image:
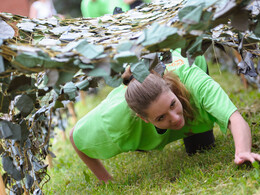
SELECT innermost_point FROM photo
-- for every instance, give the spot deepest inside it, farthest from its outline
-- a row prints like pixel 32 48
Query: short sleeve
pixel 200 61
pixel 212 98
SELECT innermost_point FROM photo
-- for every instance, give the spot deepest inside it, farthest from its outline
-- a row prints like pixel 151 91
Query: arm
pixel 94 165
pixel 129 1
pixel 242 138
pixel 33 12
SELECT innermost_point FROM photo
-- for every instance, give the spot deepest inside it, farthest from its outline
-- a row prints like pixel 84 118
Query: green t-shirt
pixel 112 128
pixel 99 8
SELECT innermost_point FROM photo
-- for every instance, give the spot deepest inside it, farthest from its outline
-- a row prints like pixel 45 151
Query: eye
pixel 161 118
pixel 172 104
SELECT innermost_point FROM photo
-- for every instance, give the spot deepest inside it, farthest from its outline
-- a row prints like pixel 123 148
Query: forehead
pixel 161 105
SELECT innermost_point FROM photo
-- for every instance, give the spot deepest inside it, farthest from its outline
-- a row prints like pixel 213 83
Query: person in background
pixel 42 9
pixel 133 3
pixel 97 8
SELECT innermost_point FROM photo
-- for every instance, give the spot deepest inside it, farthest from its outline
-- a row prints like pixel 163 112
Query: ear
pixel 145 120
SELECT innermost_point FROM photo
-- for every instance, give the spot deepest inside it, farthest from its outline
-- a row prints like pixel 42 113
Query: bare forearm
pixel 241 133
pixel 96 167
pixel 242 138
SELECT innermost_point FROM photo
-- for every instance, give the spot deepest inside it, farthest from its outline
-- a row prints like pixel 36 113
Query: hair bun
pixel 126 81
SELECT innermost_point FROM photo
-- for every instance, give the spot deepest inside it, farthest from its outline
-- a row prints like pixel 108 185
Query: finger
pixel 238 160
pixel 256 156
pixel 250 158
pixel 241 158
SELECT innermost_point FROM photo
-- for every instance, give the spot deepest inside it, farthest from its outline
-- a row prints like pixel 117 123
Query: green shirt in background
pixel 99 8
pixel 112 128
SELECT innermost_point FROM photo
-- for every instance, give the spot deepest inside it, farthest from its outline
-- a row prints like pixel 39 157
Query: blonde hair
pixel 139 96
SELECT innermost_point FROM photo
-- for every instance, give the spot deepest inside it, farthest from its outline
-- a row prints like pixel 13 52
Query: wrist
pixel 242 150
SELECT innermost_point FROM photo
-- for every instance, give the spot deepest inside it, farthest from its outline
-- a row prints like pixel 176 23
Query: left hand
pixel 246 156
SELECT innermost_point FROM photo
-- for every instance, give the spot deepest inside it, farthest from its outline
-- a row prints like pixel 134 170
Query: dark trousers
pixel 199 142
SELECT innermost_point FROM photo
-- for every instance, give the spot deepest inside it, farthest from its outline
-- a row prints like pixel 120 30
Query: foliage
pixel 45 62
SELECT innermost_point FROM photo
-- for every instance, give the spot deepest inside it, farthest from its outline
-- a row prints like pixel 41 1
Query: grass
pixel 170 171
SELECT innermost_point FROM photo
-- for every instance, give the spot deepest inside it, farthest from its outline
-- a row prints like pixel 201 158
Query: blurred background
pixel 69 8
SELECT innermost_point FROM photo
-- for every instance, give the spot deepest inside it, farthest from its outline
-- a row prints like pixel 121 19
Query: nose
pixel 174 117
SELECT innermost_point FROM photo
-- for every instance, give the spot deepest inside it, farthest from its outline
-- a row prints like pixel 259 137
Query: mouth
pixel 179 124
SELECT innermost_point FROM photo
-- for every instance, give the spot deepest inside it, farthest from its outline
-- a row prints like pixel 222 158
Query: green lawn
pixel 170 171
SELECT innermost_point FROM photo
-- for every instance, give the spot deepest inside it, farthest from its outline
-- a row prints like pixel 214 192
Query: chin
pixel 178 127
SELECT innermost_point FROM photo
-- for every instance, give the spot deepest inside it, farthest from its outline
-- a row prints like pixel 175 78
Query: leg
pixel 199 142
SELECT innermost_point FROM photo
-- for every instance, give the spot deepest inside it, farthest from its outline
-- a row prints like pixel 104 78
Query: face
pixel 166 112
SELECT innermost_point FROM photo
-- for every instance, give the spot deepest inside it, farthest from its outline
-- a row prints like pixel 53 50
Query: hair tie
pixel 127 81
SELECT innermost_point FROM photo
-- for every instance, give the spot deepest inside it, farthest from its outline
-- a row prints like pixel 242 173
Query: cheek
pixel 162 125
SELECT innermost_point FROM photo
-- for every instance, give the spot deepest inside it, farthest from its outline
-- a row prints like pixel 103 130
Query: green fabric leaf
pixel 117 67
pixel 125 46
pixel 2 66
pixel 113 81
pixel 195 47
pixel 98 72
pixel 66 37
pixel 203 3
pixel 89 50
pixel 172 42
pixel 139 70
pixel 126 57
pixel 58 104
pixel 28 181
pixel 155 34
pixel 203 24
pixel 25 105
pixel 37 38
pixel 70 89
pixel 64 77
pixel 24 131
pixel 257 28
pixel 27 26
pixel 85 66
pixel 60 29
pixel 21 83
pixel 29 60
pixel 11 169
pixel 10 130
pixel 6 31
pixel 190 14
pixel 33 60
pixel 5 130
pixel 83 85
pixel 4 103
